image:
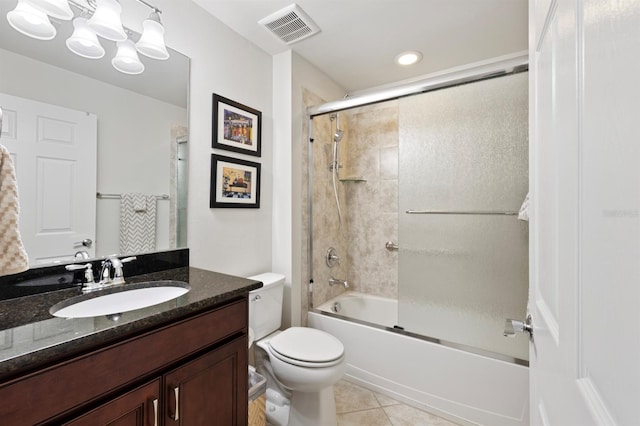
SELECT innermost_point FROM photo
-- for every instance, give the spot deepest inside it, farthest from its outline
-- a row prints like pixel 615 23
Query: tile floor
pixel 357 406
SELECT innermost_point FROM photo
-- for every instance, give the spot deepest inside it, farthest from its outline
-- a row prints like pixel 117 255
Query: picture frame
pixel 236 127
pixel 235 183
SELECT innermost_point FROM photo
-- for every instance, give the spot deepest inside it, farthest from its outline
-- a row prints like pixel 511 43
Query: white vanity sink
pixel 125 298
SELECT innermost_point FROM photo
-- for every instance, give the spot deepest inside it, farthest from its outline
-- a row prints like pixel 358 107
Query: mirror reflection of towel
pixel 13 257
pixel 523 214
pixel 139 203
pixel 137 223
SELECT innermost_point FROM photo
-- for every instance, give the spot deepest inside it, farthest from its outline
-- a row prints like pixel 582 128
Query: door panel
pixel 610 179
pixel 554 224
pixel 209 390
pixel 585 225
pixel 55 150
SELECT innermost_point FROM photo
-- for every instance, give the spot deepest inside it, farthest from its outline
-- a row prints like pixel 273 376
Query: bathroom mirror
pixel 140 131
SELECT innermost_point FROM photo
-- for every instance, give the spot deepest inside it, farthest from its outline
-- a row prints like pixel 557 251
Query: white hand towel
pixel 13 257
pixel 524 209
pixel 137 227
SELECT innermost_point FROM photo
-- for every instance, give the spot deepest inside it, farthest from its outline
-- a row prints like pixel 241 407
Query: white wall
pixel 294 72
pixel 134 133
pixel 282 176
pixel 235 241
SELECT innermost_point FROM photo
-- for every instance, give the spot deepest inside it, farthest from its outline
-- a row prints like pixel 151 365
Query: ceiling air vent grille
pixel 290 24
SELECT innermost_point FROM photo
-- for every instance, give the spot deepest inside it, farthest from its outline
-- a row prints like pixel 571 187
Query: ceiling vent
pixel 290 24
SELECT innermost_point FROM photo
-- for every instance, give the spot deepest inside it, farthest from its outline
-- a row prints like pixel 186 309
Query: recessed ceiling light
pixel 409 57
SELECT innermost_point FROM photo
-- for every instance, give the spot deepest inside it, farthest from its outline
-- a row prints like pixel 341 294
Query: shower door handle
pixel 391 246
pixel 512 326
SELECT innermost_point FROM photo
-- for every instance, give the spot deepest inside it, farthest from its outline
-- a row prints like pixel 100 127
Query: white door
pixel 585 224
pixel 54 152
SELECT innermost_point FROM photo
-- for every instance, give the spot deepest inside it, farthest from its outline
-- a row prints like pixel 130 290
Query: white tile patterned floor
pixel 357 406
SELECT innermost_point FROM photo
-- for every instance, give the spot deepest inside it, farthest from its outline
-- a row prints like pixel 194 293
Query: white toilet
pixel 301 364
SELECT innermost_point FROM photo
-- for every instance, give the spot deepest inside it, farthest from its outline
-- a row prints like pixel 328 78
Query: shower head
pixel 337 136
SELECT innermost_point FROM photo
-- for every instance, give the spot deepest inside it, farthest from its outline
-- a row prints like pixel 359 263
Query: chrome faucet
pixel 105 272
pixel 334 281
pixel 115 263
pixel 111 262
pixel 89 284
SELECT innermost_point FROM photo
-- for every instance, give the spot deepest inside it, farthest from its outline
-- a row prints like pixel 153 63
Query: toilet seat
pixel 307 347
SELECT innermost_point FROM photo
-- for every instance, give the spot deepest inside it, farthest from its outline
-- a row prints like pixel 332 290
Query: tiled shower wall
pixel 327 231
pixel 372 205
pixel 368 193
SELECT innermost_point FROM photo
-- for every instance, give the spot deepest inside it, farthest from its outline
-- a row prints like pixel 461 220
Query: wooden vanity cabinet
pixel 201 392
pixel 193 372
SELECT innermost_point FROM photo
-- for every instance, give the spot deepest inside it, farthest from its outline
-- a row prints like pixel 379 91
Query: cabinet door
pixel 210 390
pixel 136 408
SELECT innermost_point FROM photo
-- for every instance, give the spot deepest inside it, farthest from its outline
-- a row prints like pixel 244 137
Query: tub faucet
pixel 333 281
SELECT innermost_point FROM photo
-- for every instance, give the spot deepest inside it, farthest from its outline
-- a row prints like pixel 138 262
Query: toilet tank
pixel 265 305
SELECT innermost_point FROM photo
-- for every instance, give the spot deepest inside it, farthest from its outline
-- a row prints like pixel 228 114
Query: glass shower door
pixel 463 263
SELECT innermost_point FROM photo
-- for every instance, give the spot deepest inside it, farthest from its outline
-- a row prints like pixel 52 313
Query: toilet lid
pixel 307 344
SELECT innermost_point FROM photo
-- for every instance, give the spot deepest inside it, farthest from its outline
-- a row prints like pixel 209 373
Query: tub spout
pixel 333 281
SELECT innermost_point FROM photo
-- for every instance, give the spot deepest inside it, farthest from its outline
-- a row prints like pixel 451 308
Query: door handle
pixel 87 242
pixel 511 327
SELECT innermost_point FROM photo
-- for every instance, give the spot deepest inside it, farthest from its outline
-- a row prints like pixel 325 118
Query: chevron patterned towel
pixel 13 257
pixel 137 226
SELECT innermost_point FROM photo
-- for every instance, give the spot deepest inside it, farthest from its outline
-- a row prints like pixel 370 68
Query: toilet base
pixel 278 399
pixel 306 408
pixel 313 408
pixel 277 415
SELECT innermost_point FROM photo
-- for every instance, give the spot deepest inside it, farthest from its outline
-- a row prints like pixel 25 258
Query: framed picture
pixel 234 183
pixel 236 127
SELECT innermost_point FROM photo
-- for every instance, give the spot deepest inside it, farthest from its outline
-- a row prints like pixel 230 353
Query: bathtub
pixel 465 387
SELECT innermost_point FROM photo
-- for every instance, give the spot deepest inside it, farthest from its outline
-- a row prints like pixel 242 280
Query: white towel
pixel 137 226
pixel 524 209
pixel 13 257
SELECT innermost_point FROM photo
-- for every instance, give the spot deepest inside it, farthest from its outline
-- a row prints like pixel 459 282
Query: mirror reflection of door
pixel 58 146
pixel 181 184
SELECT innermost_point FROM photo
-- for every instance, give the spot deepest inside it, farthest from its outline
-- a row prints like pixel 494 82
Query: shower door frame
pixel 498 67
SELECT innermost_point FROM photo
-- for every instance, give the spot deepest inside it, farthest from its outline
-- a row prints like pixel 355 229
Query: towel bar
pixel 117 196
pixel 470 212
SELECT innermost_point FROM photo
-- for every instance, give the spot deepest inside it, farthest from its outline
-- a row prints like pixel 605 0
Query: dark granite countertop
pixel 31 338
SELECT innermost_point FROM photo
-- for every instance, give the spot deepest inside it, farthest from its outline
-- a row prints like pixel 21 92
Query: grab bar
pixel 469 212
pixel 391 246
